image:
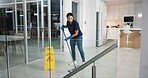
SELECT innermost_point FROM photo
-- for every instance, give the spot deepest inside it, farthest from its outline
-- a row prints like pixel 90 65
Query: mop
pixel 70 53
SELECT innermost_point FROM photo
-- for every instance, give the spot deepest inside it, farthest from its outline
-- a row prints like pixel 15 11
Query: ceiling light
pixel 21 15
pixel 45 5
pixel 140 15
pixel 9 11
pixel 35 14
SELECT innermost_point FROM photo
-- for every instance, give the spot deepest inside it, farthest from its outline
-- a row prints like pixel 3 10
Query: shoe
pixel 71 63
pixel 83 63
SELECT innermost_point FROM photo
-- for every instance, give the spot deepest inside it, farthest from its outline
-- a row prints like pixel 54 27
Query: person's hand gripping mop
pixel 66 39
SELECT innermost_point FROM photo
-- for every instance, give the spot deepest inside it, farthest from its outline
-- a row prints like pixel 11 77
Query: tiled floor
pixel 128 63
pixel 34 53
pixel 120 63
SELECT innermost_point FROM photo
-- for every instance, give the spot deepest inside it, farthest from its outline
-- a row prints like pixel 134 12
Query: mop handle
pixel 69 49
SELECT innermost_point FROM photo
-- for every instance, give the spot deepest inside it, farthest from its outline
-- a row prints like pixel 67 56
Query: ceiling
pixel 109 2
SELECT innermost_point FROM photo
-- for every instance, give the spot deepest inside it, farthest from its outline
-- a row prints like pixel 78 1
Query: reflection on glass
pixel 6 1
pixel 20 15
pixel 105 66
pixel 19 0
pixel 11 44
pixel 34 49
pixel 55 23
pixel 9 23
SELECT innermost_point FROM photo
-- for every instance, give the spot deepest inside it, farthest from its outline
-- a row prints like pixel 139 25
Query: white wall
pixel 89 27
pixel 67 7
pixel 144 48
pixel 138 20
pixel 104 16
pixel 102 8
pixel 80 13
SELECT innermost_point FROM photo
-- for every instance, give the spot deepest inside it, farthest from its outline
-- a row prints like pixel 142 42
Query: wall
pixel 89 27
pixel 104 15
pixel 144 49
pixel 138 20
pixel 117 12
pixel 102 28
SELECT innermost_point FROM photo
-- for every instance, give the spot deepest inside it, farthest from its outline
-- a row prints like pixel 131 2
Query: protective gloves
pixel 62 28
pixel 67 38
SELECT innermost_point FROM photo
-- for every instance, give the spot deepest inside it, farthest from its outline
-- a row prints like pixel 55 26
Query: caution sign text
pixel 49 61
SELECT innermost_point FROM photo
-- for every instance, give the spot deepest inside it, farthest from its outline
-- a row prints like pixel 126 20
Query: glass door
pixel 35 47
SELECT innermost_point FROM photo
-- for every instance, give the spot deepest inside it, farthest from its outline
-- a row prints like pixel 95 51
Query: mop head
pixel 71 70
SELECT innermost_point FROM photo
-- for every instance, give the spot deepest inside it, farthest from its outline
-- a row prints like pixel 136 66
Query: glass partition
pixel 32 28
pixel 3 58
pixel 11 43
pixel 55 23
pixel 3 44
pixel 105 67
pixel 45 12
pixel 20 27
pixel 31 0
pixel 19 1
pixel 15 43
pixel 6 1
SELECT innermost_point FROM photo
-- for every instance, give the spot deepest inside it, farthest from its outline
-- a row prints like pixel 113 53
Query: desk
pixel 11 40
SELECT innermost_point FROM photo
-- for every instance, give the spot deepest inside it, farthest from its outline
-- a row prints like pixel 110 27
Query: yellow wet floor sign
pixel 49 61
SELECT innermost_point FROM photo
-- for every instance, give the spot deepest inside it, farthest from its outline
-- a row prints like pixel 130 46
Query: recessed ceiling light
pixel 140 15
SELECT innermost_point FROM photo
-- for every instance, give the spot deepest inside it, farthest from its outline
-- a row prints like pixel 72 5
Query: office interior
pixel 27 27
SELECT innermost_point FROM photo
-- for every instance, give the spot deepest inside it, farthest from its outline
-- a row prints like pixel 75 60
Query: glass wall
pixel 6 1
pixel 55 23
pixel 12 33
pixel 3 61
pixel 8 29
pixel 33 27
pixel 106 66
pixel 11 43
pixel 18 0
